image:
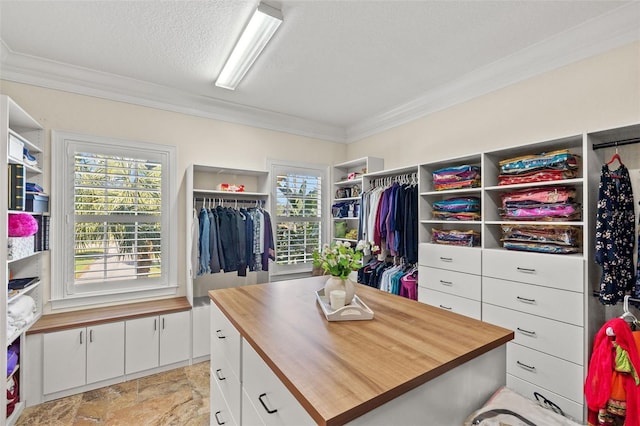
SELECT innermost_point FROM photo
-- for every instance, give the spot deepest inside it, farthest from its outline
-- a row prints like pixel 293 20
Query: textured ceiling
pixel 337 63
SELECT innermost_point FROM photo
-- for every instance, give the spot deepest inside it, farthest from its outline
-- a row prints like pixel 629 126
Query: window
pixel 114 203
pixel 297 215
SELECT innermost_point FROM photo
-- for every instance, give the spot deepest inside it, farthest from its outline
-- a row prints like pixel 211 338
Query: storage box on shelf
pixel 347 186
pixel 21 152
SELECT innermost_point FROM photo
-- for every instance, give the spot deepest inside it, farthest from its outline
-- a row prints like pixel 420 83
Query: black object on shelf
pixel 22 283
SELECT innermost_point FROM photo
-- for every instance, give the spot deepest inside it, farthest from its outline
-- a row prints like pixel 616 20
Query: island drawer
pixel 559 376
pixel 274 404
pixel 220 412
pixel 461 259
pixel 457 304
pixel 546 302
pixel 225 339
pixel 229 384
pixel 570 408
pixel 549 336
pixel 451 282
pixel 562 272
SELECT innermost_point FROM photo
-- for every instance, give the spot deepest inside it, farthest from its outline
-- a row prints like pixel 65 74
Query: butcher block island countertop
pixel 341 370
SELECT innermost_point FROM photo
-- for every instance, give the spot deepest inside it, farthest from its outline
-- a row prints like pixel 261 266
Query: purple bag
pixel 12 361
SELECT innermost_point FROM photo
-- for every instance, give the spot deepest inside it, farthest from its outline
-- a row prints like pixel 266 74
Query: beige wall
pixel 198 140
pixel 593 94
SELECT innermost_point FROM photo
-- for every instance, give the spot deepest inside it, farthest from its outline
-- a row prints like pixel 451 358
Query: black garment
pixel 615 234
pixel 228 238
pixel 241 243
pixel 214 259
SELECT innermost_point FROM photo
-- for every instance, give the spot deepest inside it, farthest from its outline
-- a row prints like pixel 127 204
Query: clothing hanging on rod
pixel 611 390
pixel 231 238
pixel 389 217
pixel 615 234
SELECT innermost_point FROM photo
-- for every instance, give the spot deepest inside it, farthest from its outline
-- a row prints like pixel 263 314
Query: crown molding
pixel 614 29
pixel 41 72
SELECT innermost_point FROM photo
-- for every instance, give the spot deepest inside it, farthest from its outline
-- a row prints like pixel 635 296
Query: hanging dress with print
pixel 615 234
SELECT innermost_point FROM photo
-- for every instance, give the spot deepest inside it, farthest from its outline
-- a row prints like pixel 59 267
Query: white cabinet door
pixel 201 327
pixel 105 351
pixel 64 357
pixel 142 337
pixel 175 337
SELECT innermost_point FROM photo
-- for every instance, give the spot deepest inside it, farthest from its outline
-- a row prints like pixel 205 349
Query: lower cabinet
pixel 201 333
pixel 157 341
pixel 80 356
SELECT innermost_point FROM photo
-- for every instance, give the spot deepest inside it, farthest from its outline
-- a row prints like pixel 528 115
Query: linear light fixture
pixel 263 24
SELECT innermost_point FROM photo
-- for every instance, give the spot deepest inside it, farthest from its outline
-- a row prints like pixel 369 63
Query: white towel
pixel 22 307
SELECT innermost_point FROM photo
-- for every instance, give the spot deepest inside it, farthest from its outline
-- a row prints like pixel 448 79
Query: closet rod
pixel 615 143
pixel 631 299
pixel 230 200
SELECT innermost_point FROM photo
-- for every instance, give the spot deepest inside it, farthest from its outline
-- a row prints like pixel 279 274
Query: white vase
pixel 337 283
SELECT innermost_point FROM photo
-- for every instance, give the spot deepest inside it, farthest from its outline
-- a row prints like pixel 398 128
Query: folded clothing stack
pixel 458 177
pixel 547 166
pixel 457 208
pixel 21 311
pixel 558 239
pixel 546 203
pixel 468 238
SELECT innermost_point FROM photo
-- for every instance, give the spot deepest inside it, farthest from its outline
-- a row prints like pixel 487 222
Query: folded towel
pixel 21 307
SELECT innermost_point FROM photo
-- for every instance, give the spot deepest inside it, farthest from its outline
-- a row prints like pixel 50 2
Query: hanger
pixel 626 315
pixel 615 157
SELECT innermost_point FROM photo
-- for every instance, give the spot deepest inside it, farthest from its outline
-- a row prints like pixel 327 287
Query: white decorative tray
pixel 357 310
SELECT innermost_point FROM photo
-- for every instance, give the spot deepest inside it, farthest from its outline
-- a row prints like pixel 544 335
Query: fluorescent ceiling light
pixel 263 24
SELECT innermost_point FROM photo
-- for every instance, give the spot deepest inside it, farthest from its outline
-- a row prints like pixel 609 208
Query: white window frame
pixel 323 170
pixel 64 294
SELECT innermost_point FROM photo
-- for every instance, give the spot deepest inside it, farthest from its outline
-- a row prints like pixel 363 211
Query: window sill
pixel 82 301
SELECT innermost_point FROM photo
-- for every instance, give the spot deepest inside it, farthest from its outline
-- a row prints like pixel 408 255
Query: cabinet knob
pixel 265 405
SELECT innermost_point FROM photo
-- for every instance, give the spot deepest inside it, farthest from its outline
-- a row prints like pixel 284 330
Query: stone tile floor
pixel 178 397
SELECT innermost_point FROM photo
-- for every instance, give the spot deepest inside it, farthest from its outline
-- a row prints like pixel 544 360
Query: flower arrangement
pixel 340 258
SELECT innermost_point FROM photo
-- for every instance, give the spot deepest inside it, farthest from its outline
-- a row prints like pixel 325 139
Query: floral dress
pixel 615 234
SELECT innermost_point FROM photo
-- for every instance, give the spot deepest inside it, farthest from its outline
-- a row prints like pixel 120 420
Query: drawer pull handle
pixel 265 405
pixel 446 282
pixel 446 259
pixel 81 337
pixel 218 418
pixel 526 270
pixel 530 333
pixel 220 335
pixel 525 300
pixel 448 308
pixel 525 366
pixel 220 376
pixel 90 336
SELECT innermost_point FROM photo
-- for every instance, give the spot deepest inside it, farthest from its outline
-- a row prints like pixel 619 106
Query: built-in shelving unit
pixel 19 132
pixel 202 190
pixel 347 186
